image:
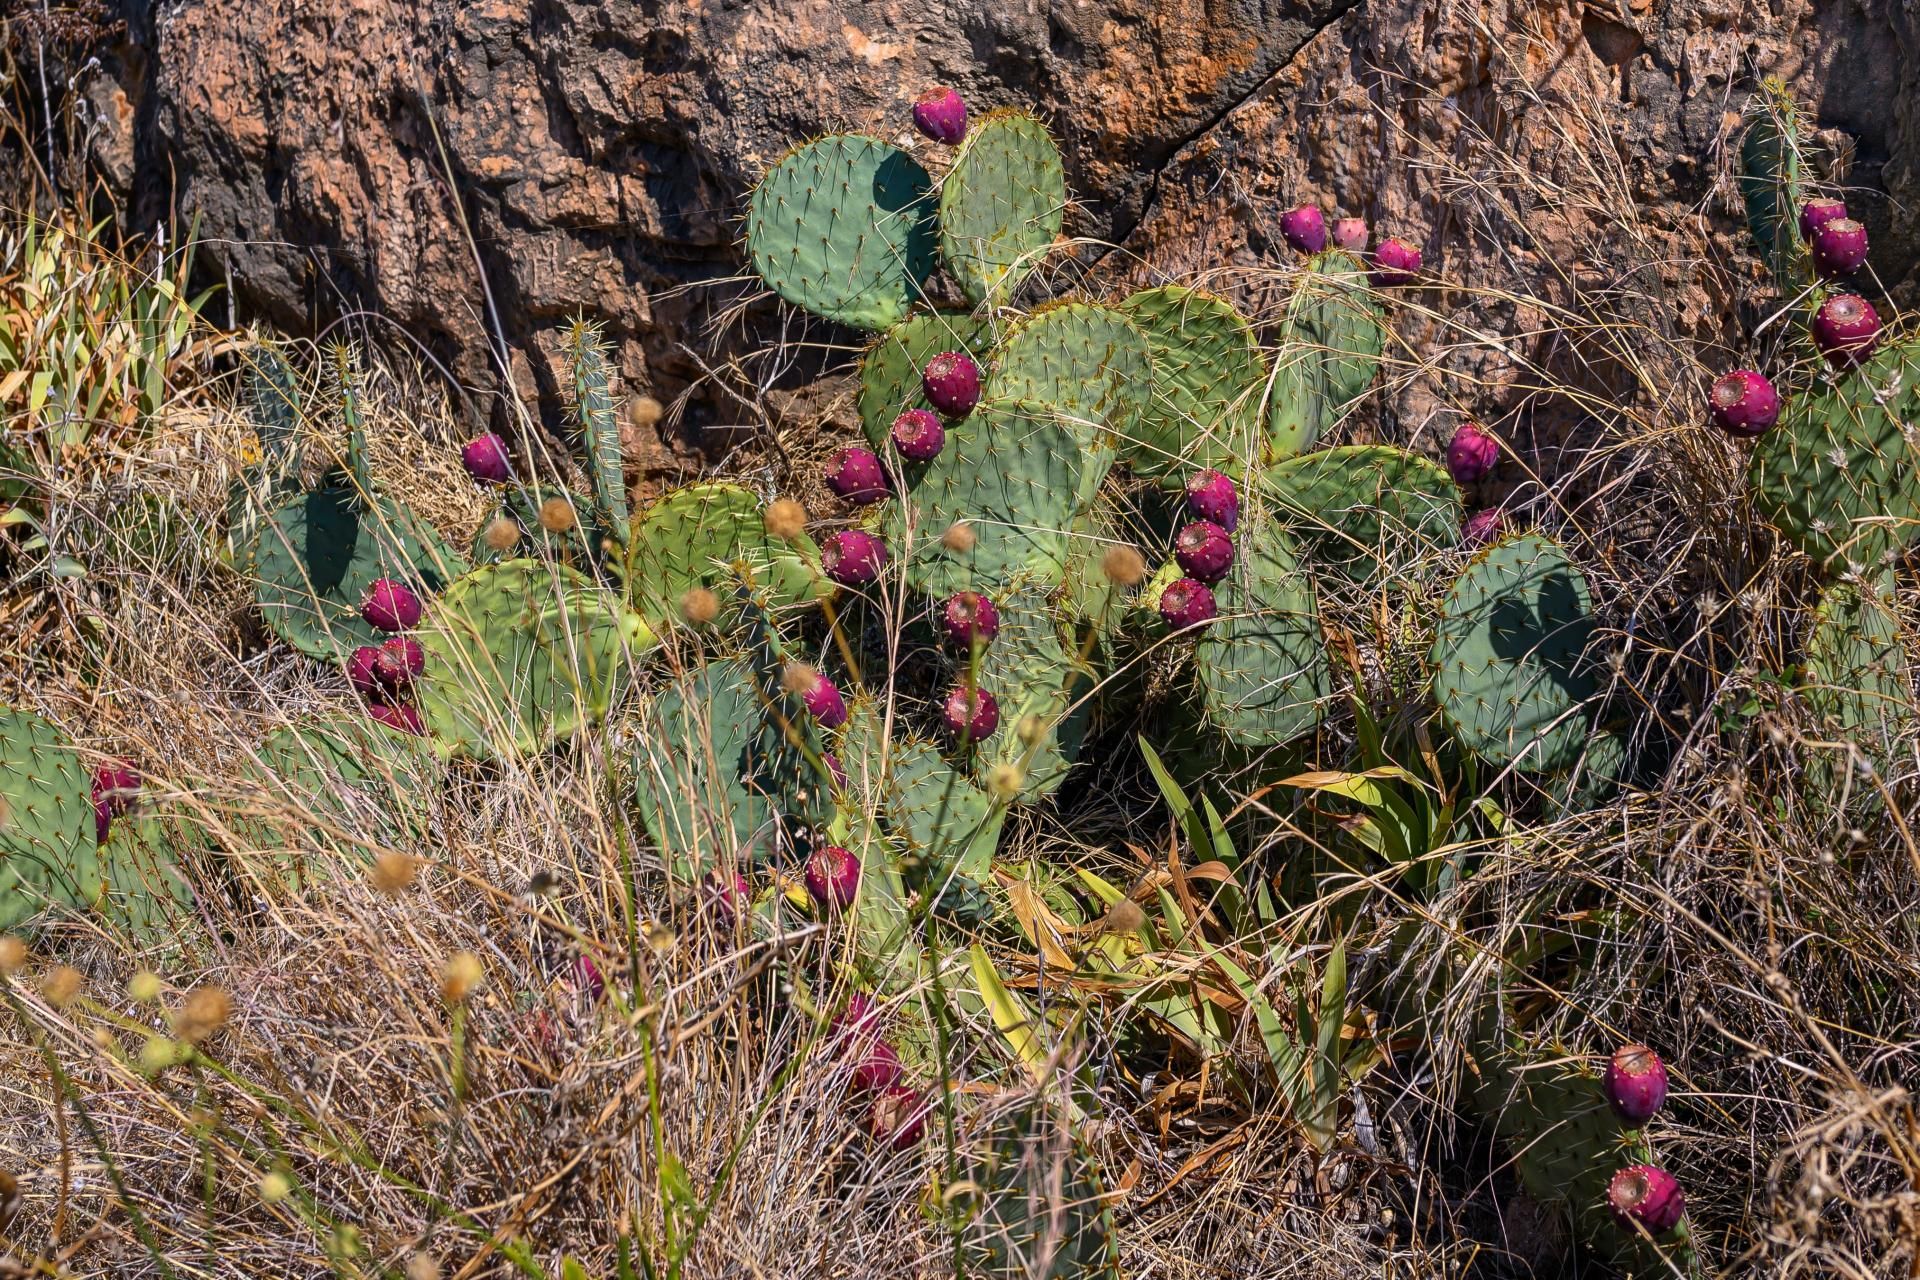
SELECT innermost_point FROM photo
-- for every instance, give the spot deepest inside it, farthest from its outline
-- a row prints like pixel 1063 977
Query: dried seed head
pixel 798 678
pixel 394 871
pixel 959 538
pixel 786 519
pixel 502 535
pixel 144 986
pixel 699 607
pixel 460 976
pixel 275 1187
pixel 557 515
pixel 421 1266
pixel 1004 780
pixel 61 986
pixel 202 1014
pixel 157 1054
pixel 1031 729
pixel 9 1199
pixel 1125 916
pixel 13 955
pixel 644 412
pixel 1123 566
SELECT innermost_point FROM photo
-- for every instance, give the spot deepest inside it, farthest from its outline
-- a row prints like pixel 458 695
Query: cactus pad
pixel 1001 205
pixel 1330 353
pixel 1365 510
pixel 1041 1213
pixel 47 851
pixel 1772 173
pixel 1208 380
pixel 1031 670
pixel 1838 475
pixel 890 369
pixel 522 653
pixel 841 227
pixel 1509 655
pixel 1262 664
pixel 691 538
pixel 1091 364
pixel 1858 687
pixel 586 350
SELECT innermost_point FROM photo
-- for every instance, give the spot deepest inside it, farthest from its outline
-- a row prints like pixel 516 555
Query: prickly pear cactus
pixel 520 654
pixel 1365 511
pixel 842 227
pixel 1330 349
pixel 1001 205
pixel 700 535
pixel 1041 686
pixel 599 430
pixel 1262 665
pixel 891 367
pixel 1038 1211
pixel 1092 365
pixel 1209 378
pixel 1773 166
pixel 1838 475
pixel 143 891
pixel 575 545
pixel 47 852
pixel 1858 684
pixel 272 402
pixel 1510 665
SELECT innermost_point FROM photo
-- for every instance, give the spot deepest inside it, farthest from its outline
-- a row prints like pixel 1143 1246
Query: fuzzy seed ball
pixel 502 535
pixel 394 871
pixel 1031 729
pixel 275 1187
pixel 699 607
pixel 786 519
pixel 1123 566
pixel 460 977
pixel 61 986
pixel 1004 780
pixel 557 515
pixel 1125 916
pixel 202 1013
pixel 959 538
pixel 421 1266
pixel 13 955
pixel 157 1054
pixel 144 986
pixel 644 412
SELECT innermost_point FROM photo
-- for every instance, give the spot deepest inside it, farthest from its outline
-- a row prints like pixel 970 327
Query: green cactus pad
pixel 842 227
pixel 1208 380
pixel 47 852
pixel 522 653
pixel 272 401
pixel 1838 475
pixel 1858 686
pixel 1040 1212
pixel 580 547
pixel 1599 774
pixel 1001 205
pixel 945 822
pixel 1509 655
pixel 1772 178
pixel 890 369
pixel 599 430
pixel 692 536
pixel 1031 671
pixel 1330 351
pixel 1091 364
pixel 1365 510
pixel 1010 470
pixel 318 552
pixel 142 889
pixel 1262 664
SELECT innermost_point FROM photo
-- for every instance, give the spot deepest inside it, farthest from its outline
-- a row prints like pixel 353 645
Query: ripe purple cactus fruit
pixel 833 876
pixel 398 716
pixel 971 713
pixel 485 459
pixel 1305 228
pixel 918 435
pixel 363 671
pixel 114 787
pixel 1648 1195
pixel 853 557
pixel 1636 1083
pixel 586 977
pixel 1211 496
pixel 952 383
pixel 399 660
pixel 726 894
pixel 856 475
pixel 1839 248
pixel 1350 234
pixel 1846 328
pixel 1186 603
pixel 1815 214
pixel 1483 528
pixel 834 769
pixel 1743 403
pixel 1472 454
pixel 898 1117
pixel 1204 551
pixel 390 606
pixel 819 695
pixel 941 114
pixel 878 1068
pixel 970 619
pixel 1395 262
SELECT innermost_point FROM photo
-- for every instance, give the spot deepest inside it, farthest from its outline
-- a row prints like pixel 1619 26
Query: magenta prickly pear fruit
pixel 400 660
pixel 1395 262
pixel 1211 496
pixel 824 703
pixel 586 978
pixel 834 768
pixel 1846 328
pixel 952 383
pixel 856 475
pixel 1186 603
pixel 390 606
pixel 970 619
pixel 398 716
pixel 363 671
pixel 1483 528
pixel 1744 403
pixel 898 1117
pixel 878 1069
pixel 941 114
pixel 727 894
pixel 833 876
pixel 114 787
pixel 853 557
pixel 1815 214
pixel 1472 454
pixel 972 714
pixel 1636 1083
pixel 1204 550
pixel 918 435
pixel 1305 228
pixel 485 459
pixel 860 1016
pixel 1648 1195
pixel 1839 248
pixel 1350 234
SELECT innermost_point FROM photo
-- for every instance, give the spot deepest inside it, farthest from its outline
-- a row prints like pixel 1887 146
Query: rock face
pixel 478 172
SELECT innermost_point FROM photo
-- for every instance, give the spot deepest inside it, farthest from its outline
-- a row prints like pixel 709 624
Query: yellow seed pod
pixel 13 955
pixel 61 986
pixel 394 871
pixel 699 607
pixel 1004 780
pixel 644 412
pixel 144 986
pixel 275 1187
pixel 202 1014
